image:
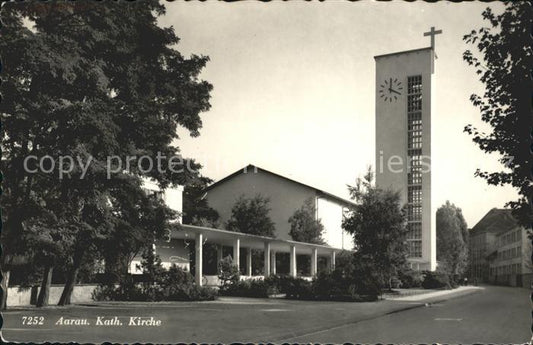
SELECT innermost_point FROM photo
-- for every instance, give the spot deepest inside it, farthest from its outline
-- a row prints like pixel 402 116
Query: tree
pixel 452 240
pixel 196 210
pixel 503 62
pixel 90 81
pixel 139 219
pixel 378 225
pixel 304 226
pixel 251 216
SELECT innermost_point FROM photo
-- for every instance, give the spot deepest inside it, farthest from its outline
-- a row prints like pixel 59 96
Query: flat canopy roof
pixel 225 237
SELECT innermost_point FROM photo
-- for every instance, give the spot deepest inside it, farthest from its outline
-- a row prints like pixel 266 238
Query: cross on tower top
pixel 432 33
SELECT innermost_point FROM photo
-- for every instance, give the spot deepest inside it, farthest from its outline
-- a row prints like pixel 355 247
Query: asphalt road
pixel 492 315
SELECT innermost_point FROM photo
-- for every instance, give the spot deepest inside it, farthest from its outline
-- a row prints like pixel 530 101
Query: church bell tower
pixel 403 142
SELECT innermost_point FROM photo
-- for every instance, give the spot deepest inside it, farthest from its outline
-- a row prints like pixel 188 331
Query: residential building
pixel 499 250
pixel 510 263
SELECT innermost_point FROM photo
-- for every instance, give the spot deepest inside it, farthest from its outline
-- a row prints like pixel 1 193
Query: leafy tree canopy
pixel 452 239
pixel 304 226
pixel 503 62
pixel 378 226
pixel 196 210
pixel 91 80
pixel 251 216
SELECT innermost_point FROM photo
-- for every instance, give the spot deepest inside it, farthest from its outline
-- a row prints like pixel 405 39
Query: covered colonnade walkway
pixel 270 246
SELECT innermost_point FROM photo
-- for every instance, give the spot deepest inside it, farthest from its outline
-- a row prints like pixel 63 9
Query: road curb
pixel 427 296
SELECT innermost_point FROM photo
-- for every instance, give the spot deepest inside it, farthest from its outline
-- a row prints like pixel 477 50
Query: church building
pixel 183 246
pixel 403 163
pixel 285 197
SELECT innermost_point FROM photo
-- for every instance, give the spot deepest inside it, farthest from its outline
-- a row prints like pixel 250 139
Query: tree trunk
pixel 44 293
pixel 4 285
pixel 69 286
pixel 72 277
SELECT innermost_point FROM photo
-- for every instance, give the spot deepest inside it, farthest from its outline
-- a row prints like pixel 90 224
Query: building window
pixel 414 212
pixel 414 121
pixel 414 152
pixel 414 93
pixel 414 84
pixel 414 102
pixel 414 194
pixel 415 161
pixel 414 177
pixel 415 248
pixel 414 126
pixel 414 231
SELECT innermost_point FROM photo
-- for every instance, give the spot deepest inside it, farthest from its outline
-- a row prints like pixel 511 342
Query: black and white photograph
pixel 284 172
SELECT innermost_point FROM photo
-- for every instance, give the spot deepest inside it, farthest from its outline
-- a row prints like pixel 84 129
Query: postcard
pixel 266 172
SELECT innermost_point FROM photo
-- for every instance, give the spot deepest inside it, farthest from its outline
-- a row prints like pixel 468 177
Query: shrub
pixel 231 285
pixel 435 280
pixel 290 286
pixel 332 286
pixel 103 293
pixel 410 278
pixel 228 272
pixel 298 288
pixel 395 283
pixel 278 283
pixel 175 284
pixel 455 280
pixel 247 288
pixel 352 280
pixel 178 285
pixel 359 274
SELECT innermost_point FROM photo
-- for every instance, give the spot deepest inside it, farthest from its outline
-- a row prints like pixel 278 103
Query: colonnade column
pixel 267 259
pixel 198 259
pixel 314 262
pixel 249 262
pixel 273 262
pixel 237 252
pixel 293 262
pixel 219 253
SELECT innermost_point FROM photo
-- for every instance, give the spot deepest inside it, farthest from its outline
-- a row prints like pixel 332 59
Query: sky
pixel 294 87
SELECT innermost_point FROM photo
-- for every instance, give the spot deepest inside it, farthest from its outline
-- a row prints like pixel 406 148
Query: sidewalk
pixel 421 296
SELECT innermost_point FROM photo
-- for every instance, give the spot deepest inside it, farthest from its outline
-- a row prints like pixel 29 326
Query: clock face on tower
pixel 390 90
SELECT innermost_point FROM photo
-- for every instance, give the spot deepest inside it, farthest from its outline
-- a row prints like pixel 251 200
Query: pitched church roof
pixel 251 168
pixel 496 221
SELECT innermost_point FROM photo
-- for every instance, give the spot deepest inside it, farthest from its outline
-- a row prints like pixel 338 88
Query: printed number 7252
pixel 33 320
